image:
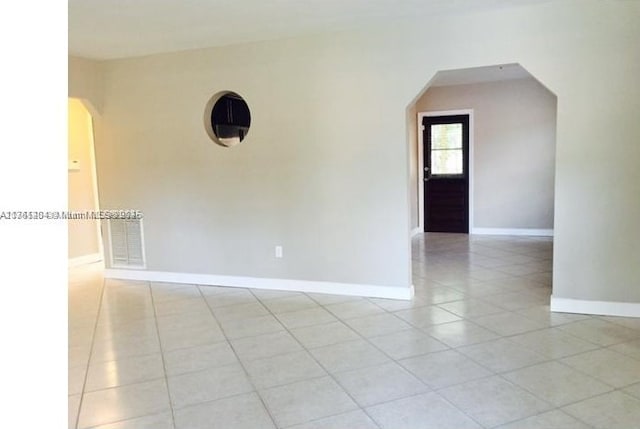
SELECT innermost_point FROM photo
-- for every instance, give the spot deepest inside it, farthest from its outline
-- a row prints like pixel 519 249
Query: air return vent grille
pixel 127 243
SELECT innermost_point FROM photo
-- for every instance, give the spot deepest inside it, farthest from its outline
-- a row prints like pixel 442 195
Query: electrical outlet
pixel 278 251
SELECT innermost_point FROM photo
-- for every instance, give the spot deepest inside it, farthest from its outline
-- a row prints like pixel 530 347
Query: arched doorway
pixel 85 238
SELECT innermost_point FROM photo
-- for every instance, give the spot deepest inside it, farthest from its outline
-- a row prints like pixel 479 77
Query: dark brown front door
pixel 446 173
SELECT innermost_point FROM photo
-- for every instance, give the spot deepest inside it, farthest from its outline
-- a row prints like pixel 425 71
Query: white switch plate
pixel 278 251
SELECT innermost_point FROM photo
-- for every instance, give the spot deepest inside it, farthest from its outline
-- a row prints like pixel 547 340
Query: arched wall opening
pixel 85 238
pixel 512 147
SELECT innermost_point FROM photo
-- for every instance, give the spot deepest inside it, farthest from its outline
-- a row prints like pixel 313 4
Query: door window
pixel 446 150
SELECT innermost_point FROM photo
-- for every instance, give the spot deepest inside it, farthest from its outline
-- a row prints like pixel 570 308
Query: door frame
pixel 422 115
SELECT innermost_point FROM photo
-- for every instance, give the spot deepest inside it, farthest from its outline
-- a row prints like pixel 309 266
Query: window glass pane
pixel 447 161
pixel 446 136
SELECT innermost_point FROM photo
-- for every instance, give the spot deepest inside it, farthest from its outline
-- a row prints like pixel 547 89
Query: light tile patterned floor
pixel 476 348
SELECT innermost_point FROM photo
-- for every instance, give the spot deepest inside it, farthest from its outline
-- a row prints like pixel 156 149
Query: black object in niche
pixel 229 120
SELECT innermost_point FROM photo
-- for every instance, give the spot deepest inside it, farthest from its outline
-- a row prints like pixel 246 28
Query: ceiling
pixel 109 29
pixel 480 74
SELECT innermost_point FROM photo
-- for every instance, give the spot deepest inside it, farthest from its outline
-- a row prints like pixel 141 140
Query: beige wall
pixel 86 81
pixel 325 168
pixel 514 133
pixel 301 179
pixel 83 234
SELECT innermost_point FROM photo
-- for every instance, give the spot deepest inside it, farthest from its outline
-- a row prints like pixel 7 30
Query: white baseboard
pixel 86 259
pixel 353 289
pixel 416 231
pixel 602 308
pixel 513 231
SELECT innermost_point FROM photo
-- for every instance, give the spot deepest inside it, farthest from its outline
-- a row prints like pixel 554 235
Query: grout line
pixel 244 369
pixel 164 365
pixel 560 408
pixel 136 356
pixel 393 360
pixel 611 388
pixel 397 362
pixel 328 373
pixel 93 334
pixel 332 416
pixel 410 372
pixel 459 409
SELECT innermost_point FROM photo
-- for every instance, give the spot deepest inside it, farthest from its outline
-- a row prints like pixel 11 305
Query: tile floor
pixel 476 348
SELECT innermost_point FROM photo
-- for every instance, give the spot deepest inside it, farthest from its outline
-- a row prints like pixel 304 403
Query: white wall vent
pixel 127 243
